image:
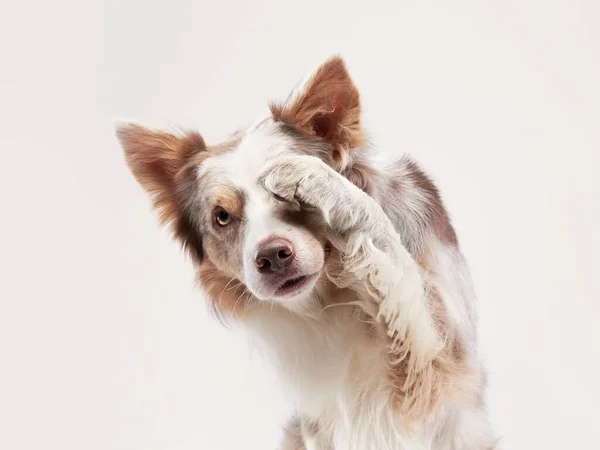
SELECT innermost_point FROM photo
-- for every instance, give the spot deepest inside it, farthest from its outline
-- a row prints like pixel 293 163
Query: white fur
pixel 338 358
pixel 377 264
pixel 242 168
pixel 334 375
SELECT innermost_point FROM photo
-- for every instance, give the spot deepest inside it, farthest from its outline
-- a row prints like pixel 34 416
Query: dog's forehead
pixel 243 165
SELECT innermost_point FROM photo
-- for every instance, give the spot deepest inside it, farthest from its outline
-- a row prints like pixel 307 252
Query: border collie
pixel 347 277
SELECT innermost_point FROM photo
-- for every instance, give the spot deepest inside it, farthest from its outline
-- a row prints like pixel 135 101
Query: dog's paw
pixel 290 178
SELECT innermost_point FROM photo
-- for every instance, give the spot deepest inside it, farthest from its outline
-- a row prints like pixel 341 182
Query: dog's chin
pixel 295 287
pixel 292 288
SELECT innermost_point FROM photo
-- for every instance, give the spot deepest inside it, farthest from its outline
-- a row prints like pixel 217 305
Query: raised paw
pixel 306 181
pixel 294 178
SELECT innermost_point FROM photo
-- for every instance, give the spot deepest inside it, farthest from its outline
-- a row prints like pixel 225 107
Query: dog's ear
pixel 158 161
pixel 327 106
pixel 155 156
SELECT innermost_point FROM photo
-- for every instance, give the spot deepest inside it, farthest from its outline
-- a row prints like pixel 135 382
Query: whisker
pixel 355 303
pixel 223 291
pixel 244 293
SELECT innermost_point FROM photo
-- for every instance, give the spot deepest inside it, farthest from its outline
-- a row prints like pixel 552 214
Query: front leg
pixel 292 436
pixel 302 434
pixel 375 263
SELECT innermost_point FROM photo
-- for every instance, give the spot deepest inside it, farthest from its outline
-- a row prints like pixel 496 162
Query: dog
pixel 347 277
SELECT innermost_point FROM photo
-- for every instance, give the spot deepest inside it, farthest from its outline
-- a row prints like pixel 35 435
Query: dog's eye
pixel 222 217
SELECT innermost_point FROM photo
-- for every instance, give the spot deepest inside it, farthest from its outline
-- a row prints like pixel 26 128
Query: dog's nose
pixel 275 255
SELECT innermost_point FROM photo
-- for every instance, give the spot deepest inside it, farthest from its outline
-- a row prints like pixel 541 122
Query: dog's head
pixel 246 244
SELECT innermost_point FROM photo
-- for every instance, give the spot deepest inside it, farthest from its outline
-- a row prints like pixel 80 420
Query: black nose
pixel 274 255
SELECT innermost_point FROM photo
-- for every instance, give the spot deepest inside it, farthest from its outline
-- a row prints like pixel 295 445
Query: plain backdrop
pixel 104 341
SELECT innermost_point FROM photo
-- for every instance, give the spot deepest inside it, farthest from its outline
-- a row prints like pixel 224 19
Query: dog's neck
pixel 316 350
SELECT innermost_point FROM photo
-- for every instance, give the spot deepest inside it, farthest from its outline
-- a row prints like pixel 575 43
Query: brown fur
pixel 229 297
pixel 419 219
pixel 362 175
pixel 230 199
pixel 156 159
pixel 165 164
pixel 323 120
pixel 328 108
pixel 418 392
pixel 436 212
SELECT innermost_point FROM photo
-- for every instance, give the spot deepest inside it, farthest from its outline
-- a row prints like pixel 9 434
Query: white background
pixel 104 342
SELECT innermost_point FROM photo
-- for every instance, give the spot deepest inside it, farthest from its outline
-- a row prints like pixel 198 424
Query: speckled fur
pixel 380 351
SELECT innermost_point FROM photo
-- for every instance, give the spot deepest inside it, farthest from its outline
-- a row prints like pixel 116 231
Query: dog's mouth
pixel 294 285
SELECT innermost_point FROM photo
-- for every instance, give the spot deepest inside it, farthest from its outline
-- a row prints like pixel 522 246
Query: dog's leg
pixel 303 435
pixel 375 262
pixel 292 436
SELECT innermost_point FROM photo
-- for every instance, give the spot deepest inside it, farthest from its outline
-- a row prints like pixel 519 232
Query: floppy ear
pixel 156 158
pixel 326 106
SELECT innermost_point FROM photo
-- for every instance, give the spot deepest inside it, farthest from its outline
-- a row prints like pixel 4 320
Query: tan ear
pixel 154 157
pixel 326 106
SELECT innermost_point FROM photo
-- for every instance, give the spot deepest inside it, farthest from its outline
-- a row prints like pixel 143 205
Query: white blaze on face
pixel 242 168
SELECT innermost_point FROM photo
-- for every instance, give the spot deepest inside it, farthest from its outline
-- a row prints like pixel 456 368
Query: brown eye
pixel 223 218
